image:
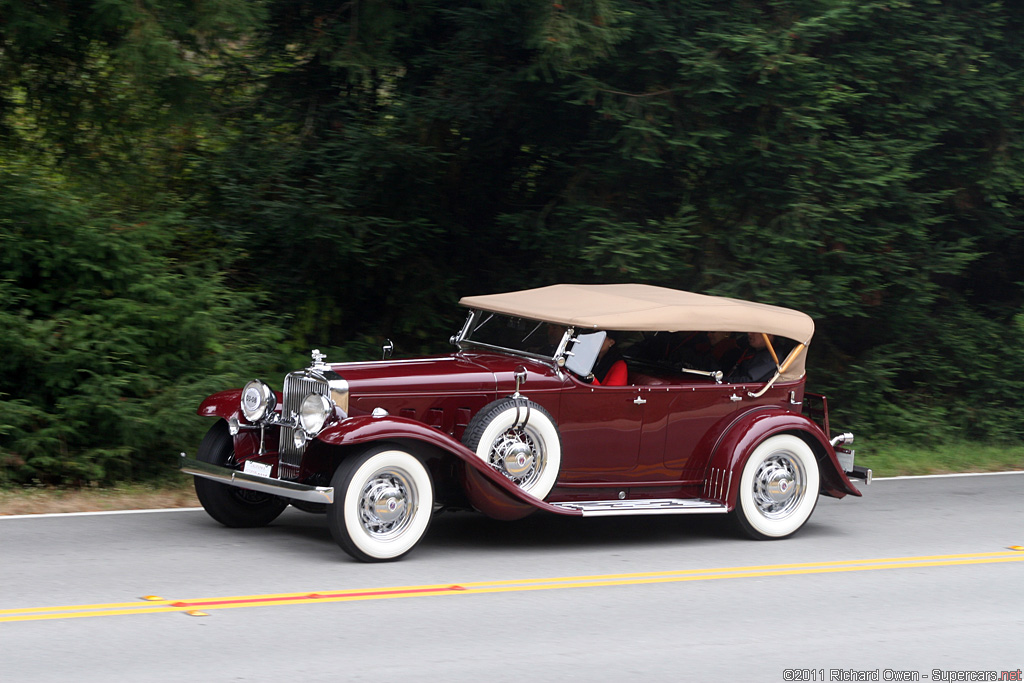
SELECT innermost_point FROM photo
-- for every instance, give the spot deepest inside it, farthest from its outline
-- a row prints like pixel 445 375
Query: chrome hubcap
pixel 779 485
pixel 516 455
pixel 518 460
pixel 387 503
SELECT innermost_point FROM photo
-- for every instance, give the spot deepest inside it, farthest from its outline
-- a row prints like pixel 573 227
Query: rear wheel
pixel 383 499
pixel 230 505
pixel 778 488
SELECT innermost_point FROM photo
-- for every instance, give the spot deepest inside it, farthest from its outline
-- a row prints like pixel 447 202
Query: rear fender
pixel 721 480
pixel 487 489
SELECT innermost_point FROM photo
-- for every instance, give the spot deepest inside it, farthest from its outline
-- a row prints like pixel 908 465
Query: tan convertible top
pixel 645 308
pixel 648 309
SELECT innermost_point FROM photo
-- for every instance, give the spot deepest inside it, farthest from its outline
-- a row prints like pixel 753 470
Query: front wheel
pixel 382 505
pixel 230 505
pixel 778 488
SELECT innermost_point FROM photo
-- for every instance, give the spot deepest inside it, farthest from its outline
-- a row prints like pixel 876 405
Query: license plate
pixel 258 468
pixel 845 457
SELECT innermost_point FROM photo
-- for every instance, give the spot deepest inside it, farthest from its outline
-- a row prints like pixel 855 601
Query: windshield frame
pixel 477 318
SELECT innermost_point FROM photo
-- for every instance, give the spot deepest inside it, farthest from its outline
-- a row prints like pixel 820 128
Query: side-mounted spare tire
pixel 518 438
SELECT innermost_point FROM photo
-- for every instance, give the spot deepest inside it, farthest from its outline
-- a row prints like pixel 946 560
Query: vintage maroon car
pixel 695 416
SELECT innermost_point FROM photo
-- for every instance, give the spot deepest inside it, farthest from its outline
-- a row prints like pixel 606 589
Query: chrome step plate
pixel 654 506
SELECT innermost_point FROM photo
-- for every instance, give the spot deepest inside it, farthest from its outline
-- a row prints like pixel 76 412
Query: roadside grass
pixel 30 500
pixel 885 459
pixel 901 459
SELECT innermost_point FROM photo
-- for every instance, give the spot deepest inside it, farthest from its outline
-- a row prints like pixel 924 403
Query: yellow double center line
pixel 154 605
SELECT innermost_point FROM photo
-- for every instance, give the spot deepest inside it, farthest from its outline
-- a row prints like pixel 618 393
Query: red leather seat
pixel 616 377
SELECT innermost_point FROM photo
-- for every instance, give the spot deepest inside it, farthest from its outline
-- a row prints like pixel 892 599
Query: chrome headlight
pixel 258 401
pixel 314 412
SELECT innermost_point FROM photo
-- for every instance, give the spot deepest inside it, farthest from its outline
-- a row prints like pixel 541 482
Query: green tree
pixel 116 90
pixel 362 165
pixel 860 161
pixel 109 343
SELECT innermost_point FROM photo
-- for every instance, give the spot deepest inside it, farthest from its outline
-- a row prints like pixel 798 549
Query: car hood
pixel 434 375
pixel 452 373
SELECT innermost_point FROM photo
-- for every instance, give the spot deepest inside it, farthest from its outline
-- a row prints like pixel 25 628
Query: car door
pixel 679 421
pixel 601 429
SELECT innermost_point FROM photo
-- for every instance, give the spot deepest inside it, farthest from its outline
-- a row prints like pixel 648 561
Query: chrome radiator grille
pixel 297 386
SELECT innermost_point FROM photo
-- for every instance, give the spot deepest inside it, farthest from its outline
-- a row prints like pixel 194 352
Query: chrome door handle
pixel 639 401
pixel 735 398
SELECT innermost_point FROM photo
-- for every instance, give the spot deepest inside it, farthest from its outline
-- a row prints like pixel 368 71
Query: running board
pixel 655 506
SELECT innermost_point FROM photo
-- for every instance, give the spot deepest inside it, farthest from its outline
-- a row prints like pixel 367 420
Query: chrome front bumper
pixel 253 482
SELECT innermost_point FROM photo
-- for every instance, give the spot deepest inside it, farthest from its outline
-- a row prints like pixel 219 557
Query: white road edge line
pixel 97 513
pixel 139 512
pixel 946 476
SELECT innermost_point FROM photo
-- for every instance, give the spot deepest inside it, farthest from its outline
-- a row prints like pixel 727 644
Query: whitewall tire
pixel 383 500
pixel 778 488
pixel 519 439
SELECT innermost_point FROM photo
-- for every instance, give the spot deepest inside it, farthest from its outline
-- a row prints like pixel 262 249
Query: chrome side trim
pixel 393 361
pixel 717 484
pixel 277 487
pixel 654 506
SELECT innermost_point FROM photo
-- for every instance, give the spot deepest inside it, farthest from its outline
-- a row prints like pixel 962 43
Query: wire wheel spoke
pixel 516 454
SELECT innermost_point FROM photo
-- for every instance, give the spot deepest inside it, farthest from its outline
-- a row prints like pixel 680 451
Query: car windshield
pixel 515 334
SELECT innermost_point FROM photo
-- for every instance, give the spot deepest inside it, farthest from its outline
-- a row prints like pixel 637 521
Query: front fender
pixel 490 491
pixel 225 404
pixel 742 437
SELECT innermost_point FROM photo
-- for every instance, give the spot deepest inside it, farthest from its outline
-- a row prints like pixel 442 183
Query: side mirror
pixel 585 350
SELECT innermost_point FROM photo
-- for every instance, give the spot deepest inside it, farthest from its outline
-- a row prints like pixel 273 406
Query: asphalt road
pixel 913 579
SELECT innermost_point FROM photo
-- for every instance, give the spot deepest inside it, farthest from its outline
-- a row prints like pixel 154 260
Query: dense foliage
pixel 108 340
pixel 364 164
